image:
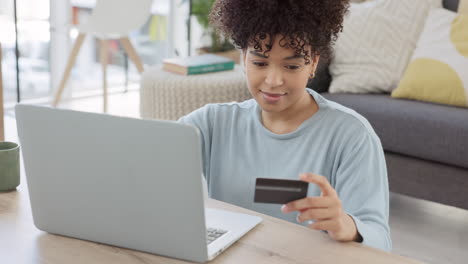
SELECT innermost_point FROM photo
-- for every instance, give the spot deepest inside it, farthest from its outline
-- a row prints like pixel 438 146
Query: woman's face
pixel 277 81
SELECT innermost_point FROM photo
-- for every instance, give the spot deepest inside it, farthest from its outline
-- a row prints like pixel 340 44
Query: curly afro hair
pixel 302 23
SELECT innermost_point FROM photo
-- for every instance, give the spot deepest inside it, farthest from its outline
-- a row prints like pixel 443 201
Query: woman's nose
pixel 274 77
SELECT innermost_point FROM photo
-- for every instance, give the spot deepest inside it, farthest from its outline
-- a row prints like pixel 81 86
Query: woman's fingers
pixel 341 228
pixel 309 202
pixel 320 181
pixel 318 214
pixel 328 225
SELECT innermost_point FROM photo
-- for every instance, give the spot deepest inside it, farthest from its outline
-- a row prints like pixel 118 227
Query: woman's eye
pixel 259 64
pixel 292 67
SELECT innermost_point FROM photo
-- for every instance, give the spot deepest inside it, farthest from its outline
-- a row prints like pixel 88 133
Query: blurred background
pixel 46 30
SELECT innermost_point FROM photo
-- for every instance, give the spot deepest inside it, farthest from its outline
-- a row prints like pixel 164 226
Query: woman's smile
pixel 272 97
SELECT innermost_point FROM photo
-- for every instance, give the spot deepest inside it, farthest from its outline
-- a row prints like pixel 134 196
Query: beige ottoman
pixel 165 95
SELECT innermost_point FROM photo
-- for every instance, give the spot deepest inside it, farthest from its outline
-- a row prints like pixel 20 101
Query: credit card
pixel 279 191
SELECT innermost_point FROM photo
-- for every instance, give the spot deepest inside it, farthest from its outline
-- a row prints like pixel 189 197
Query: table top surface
pixel 272 241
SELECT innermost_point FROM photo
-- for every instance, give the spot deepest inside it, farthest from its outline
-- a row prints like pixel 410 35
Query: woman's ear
pixel 315 62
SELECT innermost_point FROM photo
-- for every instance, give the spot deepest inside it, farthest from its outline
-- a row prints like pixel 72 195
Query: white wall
pixel 60 43
pixel 180 30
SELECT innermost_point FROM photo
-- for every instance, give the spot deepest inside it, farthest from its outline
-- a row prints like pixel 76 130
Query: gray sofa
pixel 426 145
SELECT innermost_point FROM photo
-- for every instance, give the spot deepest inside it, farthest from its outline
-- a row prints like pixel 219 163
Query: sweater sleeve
pixel 362 185
pixel 200 119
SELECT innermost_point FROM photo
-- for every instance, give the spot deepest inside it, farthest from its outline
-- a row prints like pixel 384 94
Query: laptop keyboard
pixel 212 234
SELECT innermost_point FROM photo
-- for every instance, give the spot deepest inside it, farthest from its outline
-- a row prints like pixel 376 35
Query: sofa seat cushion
pixel 418 129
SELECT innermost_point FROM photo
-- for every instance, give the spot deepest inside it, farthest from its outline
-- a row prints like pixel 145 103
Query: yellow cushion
pixel 438 71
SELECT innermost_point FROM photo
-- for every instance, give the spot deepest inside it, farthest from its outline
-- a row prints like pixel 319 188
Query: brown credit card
pixel 279 191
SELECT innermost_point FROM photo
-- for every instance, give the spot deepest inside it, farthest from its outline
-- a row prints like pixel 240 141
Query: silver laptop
pixel 126 182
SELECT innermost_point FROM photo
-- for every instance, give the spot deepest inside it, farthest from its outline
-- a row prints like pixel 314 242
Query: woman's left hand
pixel 326 211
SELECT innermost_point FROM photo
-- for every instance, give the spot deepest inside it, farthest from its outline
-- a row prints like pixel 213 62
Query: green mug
pixel 9 166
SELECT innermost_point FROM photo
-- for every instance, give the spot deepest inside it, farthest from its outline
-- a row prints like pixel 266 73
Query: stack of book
pixel 198 64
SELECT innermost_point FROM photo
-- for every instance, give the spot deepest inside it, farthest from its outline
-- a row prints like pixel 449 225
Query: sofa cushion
pixel 418 129
pixel 439 60
pixel 376 44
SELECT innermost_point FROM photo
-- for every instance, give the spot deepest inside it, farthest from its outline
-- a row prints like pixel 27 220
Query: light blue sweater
pixel 335 142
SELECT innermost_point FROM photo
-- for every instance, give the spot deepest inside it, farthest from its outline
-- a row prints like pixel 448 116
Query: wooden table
pixel 273 241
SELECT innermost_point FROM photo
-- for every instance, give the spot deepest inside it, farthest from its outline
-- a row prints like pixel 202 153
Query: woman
pixel 289 131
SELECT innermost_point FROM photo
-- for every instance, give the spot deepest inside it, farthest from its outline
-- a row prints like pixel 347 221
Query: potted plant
pixel 219 44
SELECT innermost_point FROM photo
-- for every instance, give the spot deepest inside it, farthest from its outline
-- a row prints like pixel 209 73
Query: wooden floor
pixel 422 230
pixel 428 231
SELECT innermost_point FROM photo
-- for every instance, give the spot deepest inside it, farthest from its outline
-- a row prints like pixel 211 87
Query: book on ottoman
pixel 198 64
